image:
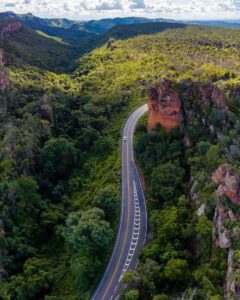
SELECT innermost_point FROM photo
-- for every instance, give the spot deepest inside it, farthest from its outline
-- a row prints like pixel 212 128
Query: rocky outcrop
pixel 233 276
pixel 229 184
pixel 226 232
pixel 221 235
pixel 164 106
pixel 8 27
pixel 213 95
pixel 235 152
pixel 4 80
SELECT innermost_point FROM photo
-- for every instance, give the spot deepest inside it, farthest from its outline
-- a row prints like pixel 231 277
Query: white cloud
pixel 96 9
pixel 138 4
pixel 109 5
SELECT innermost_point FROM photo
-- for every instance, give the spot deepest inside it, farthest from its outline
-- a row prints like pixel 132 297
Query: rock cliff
pixel 8 27
pixel 4 80
pixel 167 109
pixel 229 184
pixel 211 94
pixel 164 106
pixel 226 231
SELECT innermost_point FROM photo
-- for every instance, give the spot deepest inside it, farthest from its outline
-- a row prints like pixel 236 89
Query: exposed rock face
pixel 227 236
pixel 9 27
pixel 233 276
pixel 4 80
pixel 213 95
pixel 221 235
pixel 164 106
pixel 187 142
pixel 235 152
pixel 229 184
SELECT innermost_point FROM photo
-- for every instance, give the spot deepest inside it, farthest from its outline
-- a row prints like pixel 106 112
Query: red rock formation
pixel 213 95
pixel 229 184
pixel 164 107
pixel 8 27
pixel 4 80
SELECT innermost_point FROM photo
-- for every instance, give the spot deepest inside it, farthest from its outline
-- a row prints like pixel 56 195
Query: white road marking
pixel 135 234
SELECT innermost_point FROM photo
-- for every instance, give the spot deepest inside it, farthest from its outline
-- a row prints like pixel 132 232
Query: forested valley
pixel 60 165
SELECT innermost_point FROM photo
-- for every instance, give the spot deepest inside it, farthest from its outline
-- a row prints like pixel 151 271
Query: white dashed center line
pixel 135 234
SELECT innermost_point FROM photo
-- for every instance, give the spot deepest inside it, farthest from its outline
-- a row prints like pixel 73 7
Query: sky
pixel 98 9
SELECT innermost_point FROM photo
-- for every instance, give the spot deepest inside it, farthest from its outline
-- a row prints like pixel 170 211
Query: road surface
pixel 133 225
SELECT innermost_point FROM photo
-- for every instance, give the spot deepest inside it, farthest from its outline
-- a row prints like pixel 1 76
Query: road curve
pixel 133 225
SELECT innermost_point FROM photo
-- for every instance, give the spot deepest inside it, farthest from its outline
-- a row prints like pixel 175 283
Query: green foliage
pixel 88 237
pixel 57 159
pixel 132 295
pixel 107 200
pixel 204 229
pixel 176 270
pixel 87 231
pixel 34 281
pixel 165 181
pixel 161 297
pixel 60 153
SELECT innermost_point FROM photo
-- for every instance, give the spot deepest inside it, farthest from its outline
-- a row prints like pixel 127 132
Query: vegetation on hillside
pixel 60 161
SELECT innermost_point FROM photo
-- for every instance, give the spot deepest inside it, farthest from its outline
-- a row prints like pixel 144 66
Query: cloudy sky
pixel 96 9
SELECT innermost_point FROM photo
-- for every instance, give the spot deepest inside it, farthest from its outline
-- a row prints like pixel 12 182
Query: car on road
pixel 125 138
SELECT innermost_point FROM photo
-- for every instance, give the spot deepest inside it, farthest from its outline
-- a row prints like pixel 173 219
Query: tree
pixel 58 158
pixel 165 181
pixel 108 201
pixel 132 295
pixel 167 224
pixel 177 270
pixel 203 147
pixel 88 230
pixel 88 237
pixel 35 280
pixel 204 229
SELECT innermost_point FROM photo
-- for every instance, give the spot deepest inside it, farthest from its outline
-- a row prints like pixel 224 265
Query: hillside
pixel 26 47
pixel 60 161
pixel 68 31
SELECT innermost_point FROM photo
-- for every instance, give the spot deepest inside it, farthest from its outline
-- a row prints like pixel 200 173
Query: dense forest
pixel 60 125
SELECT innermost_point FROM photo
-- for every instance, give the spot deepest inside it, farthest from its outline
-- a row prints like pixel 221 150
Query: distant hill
pixel 80 32
pixel 75 32
pixel 217 23
pixel 124 31
pixel 102 26
pixel 64 29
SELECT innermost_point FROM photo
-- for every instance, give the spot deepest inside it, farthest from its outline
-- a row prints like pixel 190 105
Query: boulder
pixel 187 143
pixel 235 152
pixel 164 106
pixel 220 235
pixel 229 184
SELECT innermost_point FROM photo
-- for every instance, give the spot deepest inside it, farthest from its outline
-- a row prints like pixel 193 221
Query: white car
pixel 125 138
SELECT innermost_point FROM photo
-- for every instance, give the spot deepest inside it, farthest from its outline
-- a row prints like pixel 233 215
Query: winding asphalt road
pixel 133 225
